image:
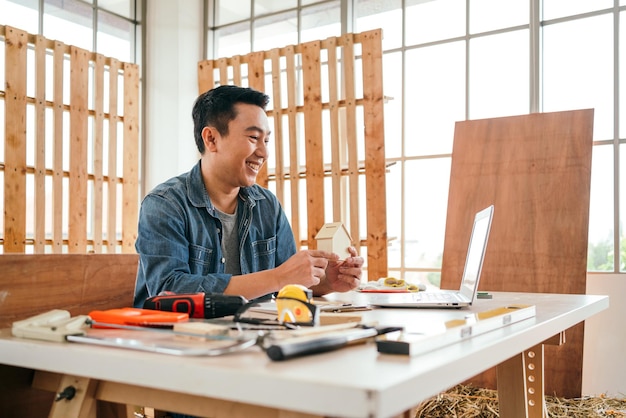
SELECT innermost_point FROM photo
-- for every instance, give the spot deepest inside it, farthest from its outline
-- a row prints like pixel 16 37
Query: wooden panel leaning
pixel 329 152
pixel 74 206
pixel 536 170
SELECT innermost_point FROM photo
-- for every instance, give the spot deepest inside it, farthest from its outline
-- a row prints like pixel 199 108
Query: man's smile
pixel 254 166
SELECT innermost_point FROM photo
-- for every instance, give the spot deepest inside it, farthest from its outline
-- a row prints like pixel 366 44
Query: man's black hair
pixel 216 108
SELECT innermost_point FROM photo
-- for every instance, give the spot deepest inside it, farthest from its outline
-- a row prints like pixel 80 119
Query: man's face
pixel 244 150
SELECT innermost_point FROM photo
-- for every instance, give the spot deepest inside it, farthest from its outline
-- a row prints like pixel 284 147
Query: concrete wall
pixel 173 47
pixel 604 364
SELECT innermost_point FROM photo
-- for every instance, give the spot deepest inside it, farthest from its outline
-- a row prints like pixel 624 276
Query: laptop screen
pixel 476 252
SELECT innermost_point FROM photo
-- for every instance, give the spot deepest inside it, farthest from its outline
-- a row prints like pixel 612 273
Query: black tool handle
pixel 318 344
pixel 218 305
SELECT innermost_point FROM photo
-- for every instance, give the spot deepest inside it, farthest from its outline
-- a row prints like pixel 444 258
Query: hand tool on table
pixel 57 325
pixel 196 305
pixel 139 329
pixel 112 318
pixel 305 345
pixel 294 304
pixel 53 325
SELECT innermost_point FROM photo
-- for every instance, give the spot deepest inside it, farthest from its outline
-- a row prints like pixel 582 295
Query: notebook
pixel 465 295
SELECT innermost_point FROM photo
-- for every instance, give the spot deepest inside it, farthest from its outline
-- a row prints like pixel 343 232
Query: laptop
pixel 469 284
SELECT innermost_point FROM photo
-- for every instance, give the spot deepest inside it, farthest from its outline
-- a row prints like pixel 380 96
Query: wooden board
pixel 35 283
pixel 536 170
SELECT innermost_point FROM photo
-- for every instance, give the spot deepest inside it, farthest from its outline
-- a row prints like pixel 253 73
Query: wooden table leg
pixel 521 385
pixel 75 398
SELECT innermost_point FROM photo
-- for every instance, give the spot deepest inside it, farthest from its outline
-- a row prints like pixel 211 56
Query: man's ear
pixel 209 135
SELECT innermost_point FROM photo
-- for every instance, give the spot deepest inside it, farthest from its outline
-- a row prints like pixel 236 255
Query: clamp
pixel 53 325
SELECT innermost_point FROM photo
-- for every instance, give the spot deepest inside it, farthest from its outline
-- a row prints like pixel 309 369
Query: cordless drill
pixel 197 305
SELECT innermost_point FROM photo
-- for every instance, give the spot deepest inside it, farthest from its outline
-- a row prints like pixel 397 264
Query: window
pixel 115 23
pixel 456 60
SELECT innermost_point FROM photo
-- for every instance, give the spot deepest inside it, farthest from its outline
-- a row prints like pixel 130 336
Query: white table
pixel 355 381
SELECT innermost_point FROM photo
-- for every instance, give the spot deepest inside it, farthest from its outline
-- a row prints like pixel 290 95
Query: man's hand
pixel 306 267
pixel 341 276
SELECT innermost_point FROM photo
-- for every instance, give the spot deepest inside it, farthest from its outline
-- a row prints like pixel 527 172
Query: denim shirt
pixel 179 237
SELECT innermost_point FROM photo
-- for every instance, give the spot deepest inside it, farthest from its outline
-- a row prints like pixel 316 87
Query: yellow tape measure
pixel 293 304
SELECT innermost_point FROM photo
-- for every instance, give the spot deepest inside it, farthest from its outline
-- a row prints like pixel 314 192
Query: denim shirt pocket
pixel 201 259
pixel 264 253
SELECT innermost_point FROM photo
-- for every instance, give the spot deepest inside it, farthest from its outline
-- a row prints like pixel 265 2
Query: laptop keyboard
pixel 437 296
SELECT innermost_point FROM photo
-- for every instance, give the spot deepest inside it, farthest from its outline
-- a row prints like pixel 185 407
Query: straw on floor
pixel 466 401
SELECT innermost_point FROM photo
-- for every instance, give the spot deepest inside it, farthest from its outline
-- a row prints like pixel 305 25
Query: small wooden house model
pixel 334 237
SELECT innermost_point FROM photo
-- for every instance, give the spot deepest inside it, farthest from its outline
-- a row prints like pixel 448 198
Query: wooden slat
pixel 311 74
pixel 335 139
pixel 222 65
pixel 256 70
pixel 79 85
pixel 57 161
pixel 130 196
pixel 351 138
pixel 375 168
pixel 236 64
pixel 277 134
pixel 114 68
pixel 205 76
pixel 15 141
pixel 294 152
pixel 256 80
pixel 98 150
pixel 40 145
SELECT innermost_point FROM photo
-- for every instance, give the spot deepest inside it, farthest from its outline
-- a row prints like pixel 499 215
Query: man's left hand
pixel 344 275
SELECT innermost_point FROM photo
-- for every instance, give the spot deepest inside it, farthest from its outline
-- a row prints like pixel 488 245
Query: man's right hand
pixel 306 267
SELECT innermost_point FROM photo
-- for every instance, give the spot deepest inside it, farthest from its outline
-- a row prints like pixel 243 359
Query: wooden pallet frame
pixel 82 188
pixel 328 134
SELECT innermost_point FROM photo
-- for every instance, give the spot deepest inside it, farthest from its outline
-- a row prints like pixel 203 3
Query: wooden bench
pixel 31 284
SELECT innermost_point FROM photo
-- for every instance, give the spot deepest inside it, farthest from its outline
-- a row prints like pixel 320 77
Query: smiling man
pixel 214 230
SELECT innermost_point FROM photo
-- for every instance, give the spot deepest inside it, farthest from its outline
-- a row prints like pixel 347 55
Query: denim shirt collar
pixel 199 197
